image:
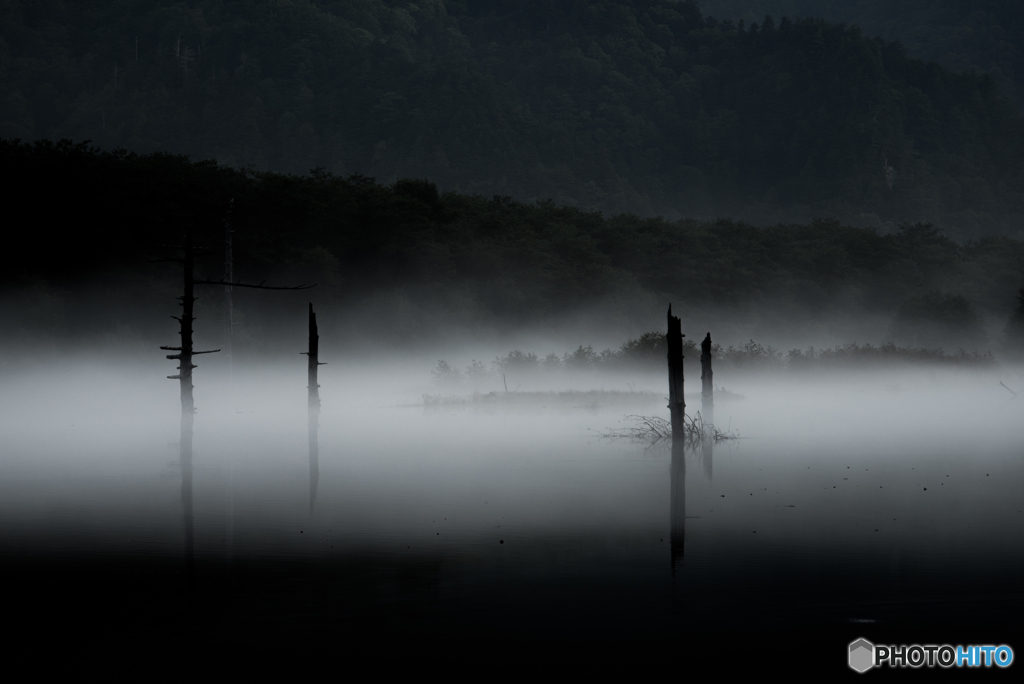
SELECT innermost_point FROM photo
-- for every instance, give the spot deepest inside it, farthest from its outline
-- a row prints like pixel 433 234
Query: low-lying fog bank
pixel 902 483
pixel 131 398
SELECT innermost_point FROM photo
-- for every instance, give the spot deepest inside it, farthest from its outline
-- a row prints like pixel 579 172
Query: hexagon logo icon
pixel 862 655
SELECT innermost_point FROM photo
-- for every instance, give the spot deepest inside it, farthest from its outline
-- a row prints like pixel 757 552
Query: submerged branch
pixel 654 429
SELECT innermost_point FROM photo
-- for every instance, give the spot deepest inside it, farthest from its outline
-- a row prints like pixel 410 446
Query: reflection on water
pixel 707 456
pixel 314 454
pixel 313 387
pixel 677 473
pixel 677 477
pixel 518 521
pixel 185 457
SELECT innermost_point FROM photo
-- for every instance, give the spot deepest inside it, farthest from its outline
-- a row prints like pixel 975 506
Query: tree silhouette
pixel 314 406
pixel 184 355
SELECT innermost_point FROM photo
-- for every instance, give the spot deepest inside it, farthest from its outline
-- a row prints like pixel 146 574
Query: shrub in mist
pixel 649 348
pixel 584 358
pixel 651 351
pixel 856 355
pixel 647 354
pixel 477 372
pixel 446 375
pixel 751 355
pixel 516 361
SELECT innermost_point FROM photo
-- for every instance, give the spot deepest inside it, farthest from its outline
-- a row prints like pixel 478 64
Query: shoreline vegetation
pixel 387 257
pixel 647 354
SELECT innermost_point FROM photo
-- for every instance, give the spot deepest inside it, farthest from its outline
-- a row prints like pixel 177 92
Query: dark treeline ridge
pixel 961 35
pixel 93 217
pixel 639 106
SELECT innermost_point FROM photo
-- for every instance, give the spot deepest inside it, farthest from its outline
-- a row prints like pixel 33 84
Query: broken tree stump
pixel 314 406
pixel 707 393
pixel 676 402
pixel 184 355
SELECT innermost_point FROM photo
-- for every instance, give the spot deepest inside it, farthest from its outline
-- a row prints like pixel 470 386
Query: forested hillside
pixel 418 260
pixel 982 36
pixel 640 106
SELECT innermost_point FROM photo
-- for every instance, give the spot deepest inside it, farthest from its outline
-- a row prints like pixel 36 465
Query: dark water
pixel 849 509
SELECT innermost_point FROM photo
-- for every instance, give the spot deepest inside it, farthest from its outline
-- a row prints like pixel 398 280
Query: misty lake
pixel 855 505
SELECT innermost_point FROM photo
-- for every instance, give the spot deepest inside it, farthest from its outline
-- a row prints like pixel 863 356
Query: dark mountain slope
pixel 642 106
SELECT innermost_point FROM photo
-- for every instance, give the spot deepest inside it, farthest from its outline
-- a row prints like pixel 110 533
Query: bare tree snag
pixel 707 394
pixel 184 355
pixel 313 361
pixel 676 402
pixel 314 406
pixel 184 378
pixel 188 299
pixel 185 351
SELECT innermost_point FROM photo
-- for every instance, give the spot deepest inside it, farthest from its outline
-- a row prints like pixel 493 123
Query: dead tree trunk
pixel 188 301
pixel 184 378
pixel 676 403
pixel 313 353
pixel 184 355
pixel 707 394
pixel 314 406
pixel 185 351
pixel 188 407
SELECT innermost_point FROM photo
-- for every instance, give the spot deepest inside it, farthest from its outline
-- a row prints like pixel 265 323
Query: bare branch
pixel 260 286
pixel 211 351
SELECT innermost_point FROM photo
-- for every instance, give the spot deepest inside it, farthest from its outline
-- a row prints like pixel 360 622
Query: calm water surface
pixel 855 507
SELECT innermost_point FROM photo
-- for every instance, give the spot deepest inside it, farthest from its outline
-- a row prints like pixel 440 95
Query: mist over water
pixel 887 498
pixel 474 215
